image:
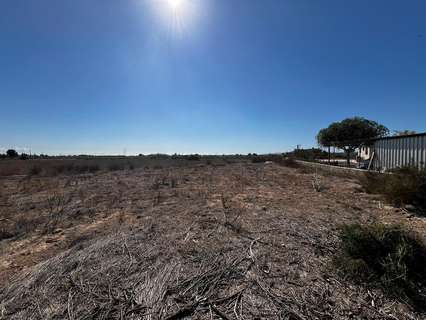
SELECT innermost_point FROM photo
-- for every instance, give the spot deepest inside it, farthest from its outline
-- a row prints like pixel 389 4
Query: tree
pixel 404 132
pixel 350 134
pixel 11 153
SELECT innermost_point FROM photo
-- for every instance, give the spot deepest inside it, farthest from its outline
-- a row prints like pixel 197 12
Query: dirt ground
pixel 202 241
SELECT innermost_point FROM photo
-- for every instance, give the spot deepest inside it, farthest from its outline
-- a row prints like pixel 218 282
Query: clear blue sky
pixel 211 76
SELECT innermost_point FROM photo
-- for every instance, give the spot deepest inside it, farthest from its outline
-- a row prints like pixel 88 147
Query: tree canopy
pixel 11 153
pixel 351 133
pixel 404 132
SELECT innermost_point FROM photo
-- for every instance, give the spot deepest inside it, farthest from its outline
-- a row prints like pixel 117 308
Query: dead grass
pixel 406 186
pixel 235 241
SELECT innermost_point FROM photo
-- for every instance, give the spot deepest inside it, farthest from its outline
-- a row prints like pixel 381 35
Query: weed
pixel 93 168
pixel 35 171
pixel 404 186
pixel 289 162
pixel 317 183
pixel 21 225
pixel 157 199
pixel 5 234
pixel 56 204
pixel 72 168
pixel 193 157
pixel 115 167
pixel 384 256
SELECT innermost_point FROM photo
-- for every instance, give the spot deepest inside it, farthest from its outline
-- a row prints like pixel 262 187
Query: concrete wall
pixel 334 170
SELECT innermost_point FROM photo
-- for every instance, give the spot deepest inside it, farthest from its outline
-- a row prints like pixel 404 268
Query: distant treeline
pixel 310 154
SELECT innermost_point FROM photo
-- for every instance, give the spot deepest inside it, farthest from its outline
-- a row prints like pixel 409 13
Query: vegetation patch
pixel 405 186
pixel 277 158
pixel 384 256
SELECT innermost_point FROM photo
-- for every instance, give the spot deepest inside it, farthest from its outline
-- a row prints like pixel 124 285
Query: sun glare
pixel 176 4
pixel 178 15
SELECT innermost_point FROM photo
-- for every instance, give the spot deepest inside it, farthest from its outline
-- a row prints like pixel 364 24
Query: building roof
pixel 399 137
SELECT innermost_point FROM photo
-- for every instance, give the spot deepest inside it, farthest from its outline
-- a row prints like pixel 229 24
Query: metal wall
pixel 399 152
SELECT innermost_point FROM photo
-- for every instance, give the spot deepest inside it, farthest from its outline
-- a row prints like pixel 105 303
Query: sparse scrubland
pixel 205 238
pixel 404 186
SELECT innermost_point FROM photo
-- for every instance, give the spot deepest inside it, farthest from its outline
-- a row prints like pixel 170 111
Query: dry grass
pixel 385 256
pixel 405 186
pixel 206 241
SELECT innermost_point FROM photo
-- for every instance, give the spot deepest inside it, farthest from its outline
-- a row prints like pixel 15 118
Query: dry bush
pixel 35 170
pixel 20 226
pixel 73 168
pixel 289 162
pixel 385 256
pixel 278 159
pixel 317 183
pixel 56 205
pixel 5 233
pixel 402 187
pixel 115 167
pixel 306 170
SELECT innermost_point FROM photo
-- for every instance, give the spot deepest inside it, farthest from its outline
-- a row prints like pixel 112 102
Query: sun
pixel 176 4
pixel 179 17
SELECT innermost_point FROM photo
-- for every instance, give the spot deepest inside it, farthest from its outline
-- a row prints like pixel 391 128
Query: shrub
pixel 35 171
pixel 193 157
pixel 258 159
pixel 385 256
pixel 24 156
pixel 5 234
pixel 309 154
pixel 404 186
pixel 93 168
pixel 279 159
pixel 289 162
pixel 63 168
pixel 115 167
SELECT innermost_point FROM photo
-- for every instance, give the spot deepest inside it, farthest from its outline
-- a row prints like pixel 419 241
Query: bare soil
pixel 196 241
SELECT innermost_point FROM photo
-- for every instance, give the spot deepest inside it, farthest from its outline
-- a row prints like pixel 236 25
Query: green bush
pixel 384 256
pixel 311 154
pixel 404 186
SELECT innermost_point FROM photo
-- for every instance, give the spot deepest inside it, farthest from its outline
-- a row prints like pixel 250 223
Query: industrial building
pixel 396 152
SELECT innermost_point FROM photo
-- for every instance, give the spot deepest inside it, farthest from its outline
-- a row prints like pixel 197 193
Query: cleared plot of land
pixel 235 241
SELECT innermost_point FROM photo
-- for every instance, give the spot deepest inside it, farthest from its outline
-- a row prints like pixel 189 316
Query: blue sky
pixel 213 76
